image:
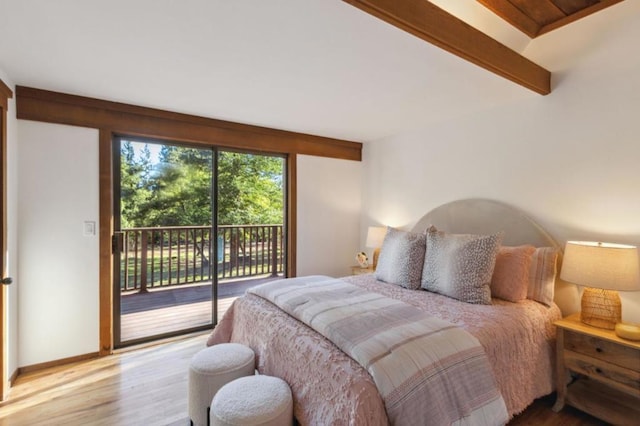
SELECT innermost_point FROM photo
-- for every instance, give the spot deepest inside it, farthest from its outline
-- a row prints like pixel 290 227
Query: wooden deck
pixel 173 309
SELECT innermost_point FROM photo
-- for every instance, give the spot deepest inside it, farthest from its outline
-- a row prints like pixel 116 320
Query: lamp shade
pixel 601 265
pixel 375 236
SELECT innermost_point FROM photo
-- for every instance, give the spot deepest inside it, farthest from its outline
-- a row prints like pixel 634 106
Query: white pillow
pixel 401 258
pixel 460 265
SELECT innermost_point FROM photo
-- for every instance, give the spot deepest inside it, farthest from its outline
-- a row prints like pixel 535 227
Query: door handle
pixel 6 281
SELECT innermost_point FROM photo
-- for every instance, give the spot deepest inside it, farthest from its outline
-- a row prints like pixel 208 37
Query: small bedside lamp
pixel 603 269
pixel 375 237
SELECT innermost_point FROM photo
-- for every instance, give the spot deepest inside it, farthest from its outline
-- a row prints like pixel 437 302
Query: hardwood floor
pixel 540 414
pixel 148 386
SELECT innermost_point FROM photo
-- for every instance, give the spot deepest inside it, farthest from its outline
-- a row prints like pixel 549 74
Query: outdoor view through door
pixel 173 275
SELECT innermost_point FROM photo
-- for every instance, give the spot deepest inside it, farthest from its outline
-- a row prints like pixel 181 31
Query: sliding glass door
pixel 194 228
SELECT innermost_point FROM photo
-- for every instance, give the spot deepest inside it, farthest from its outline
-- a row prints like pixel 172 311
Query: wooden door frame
pixel 5 95
pixel 106 224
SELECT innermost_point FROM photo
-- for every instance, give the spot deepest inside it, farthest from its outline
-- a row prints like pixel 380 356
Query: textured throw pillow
pixel 542 275
pixel 510 280
pixel 460 265
pixel 401 258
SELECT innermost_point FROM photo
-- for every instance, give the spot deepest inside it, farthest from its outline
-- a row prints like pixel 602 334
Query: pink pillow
pixel 510 280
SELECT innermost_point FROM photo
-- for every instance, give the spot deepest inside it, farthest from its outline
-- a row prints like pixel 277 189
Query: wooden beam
pixel 5 95
pixel 432 24
pixel 131 120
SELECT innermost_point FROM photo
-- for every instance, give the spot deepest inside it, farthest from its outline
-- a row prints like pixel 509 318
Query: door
pixel 250 222
pixel 194 228
pixel 163 222
pixel 5 94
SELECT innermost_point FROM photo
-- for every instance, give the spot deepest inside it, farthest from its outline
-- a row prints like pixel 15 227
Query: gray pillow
pixel 401 258
pixel 460 265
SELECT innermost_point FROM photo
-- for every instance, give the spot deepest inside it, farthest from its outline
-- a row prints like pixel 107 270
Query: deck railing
pixel 178 255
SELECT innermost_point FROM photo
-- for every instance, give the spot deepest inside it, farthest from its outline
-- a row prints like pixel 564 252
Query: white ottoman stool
pixel 212 368
pixel 253 401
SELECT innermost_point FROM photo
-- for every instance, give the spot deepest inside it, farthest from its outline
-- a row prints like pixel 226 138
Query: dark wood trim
pixel 53 107
pixel 578 15
pixel 432 24
pixel 105 233
pixel 56 363
pixel 292 214
pixel 5 95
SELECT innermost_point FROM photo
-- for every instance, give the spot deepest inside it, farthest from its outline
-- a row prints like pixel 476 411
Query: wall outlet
pixel 89 229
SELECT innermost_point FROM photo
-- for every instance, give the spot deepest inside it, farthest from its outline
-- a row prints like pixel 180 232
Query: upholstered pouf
pixel 253 401
pixel 212 368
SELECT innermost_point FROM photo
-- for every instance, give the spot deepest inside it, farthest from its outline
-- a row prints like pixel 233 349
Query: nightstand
pixel 608 368
pixel 357 270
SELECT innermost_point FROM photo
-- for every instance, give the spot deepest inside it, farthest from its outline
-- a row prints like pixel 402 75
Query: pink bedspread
pixel 331 388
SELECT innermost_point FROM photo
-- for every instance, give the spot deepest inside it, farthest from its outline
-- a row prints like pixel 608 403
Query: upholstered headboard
pixel 481 216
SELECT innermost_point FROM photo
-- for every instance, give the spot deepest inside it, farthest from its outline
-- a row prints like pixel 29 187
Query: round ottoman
pixel 212 368
pixel 252 401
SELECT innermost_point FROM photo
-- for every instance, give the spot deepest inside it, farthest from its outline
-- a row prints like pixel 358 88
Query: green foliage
pixel 250 189
pixel 176 191
pixel 133 189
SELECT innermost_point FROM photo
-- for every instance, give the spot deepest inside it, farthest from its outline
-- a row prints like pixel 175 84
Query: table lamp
pixel 375 237
pixel 603 269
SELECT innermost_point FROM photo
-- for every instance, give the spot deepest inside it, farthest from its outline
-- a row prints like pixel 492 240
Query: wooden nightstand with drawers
pixel 607 368
pixel 358 270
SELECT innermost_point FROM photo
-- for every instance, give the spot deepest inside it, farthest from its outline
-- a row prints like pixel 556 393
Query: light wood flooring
pixel 147 386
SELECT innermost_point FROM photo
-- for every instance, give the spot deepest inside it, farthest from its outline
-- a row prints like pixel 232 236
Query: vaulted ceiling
pixel 315 66
pixel 429 22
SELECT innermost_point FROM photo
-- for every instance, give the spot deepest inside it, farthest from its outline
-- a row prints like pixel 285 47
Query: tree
pixel 250 189
pixel 177 190
pixel 134 192
pixel 180 189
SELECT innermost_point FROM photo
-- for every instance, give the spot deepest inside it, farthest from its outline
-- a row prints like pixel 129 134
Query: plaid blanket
pixel 428 371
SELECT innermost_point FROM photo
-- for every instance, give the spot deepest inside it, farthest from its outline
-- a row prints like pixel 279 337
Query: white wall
pixel 329 205
pixel 58 265
pixel 12 231
pixel 571 159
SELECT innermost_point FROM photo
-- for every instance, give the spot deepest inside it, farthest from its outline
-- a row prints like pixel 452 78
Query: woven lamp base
pixel 601 308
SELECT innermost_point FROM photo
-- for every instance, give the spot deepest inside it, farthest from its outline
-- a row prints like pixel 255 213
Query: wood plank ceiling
pixel 537 17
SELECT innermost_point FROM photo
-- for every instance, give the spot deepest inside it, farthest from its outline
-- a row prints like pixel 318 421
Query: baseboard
pixel 13 377
pixel 56 363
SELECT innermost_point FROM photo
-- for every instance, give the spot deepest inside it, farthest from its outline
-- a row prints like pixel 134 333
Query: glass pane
pixel 165 220
pixel 251 217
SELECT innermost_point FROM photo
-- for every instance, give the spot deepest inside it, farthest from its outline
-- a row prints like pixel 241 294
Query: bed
pixel 330 387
